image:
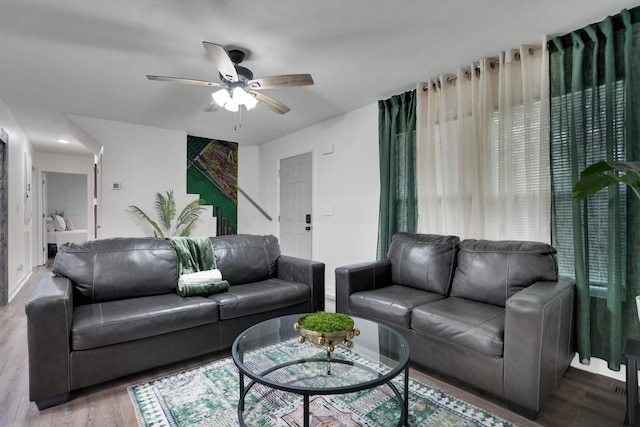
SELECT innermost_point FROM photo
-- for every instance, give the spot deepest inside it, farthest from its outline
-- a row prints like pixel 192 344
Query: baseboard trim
pixel 599 367
pixel 19 286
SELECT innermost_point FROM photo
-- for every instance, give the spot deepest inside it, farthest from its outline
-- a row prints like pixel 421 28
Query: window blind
pixel 590 130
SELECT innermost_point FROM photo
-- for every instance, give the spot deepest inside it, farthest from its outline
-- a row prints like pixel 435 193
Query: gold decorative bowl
pixel 327 339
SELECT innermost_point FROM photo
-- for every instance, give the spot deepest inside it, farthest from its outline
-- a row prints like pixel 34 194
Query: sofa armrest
pixel 304 271
pixel 538 342
pixel 360 277
pixel 49 312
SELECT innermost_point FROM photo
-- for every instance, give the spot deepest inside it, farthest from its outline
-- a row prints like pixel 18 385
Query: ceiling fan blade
pixel 212 106
pixel 184 81
pixel 285 80
pixel 221 58
pixel 272 104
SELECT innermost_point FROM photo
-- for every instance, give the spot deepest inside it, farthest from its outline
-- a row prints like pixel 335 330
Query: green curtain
pixel 397 145
pixel 594 78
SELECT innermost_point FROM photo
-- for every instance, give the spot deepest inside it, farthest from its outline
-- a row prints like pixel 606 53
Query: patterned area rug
pixel 208 396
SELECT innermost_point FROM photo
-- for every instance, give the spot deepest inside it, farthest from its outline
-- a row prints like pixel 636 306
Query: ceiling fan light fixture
pixel 250 102
pixel 241 97
pixel 231 105
pixel 221 97
pixel 237 87
pixel 238 95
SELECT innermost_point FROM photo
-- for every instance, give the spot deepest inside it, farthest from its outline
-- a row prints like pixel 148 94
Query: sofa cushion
pixel 423 261
pixel 244 258
pixel 113 322
pixel 391 304
pixel 110 269
pixel 259 297
pixel 470 324
pixel 492 271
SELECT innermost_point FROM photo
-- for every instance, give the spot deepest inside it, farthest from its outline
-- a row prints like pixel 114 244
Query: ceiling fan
pixel 237 86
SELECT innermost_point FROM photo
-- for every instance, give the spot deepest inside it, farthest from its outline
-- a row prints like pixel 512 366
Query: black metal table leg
pixel 405 409
pixel 241 402
pixel 306 410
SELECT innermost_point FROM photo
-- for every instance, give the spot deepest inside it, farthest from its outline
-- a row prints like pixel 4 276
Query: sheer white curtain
pixel 483 149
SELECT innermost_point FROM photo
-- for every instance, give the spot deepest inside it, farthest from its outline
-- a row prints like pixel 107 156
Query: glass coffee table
pixel 269 354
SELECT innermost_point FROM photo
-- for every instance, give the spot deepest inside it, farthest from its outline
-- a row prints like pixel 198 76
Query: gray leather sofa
pixel 493 314
pixel 110 308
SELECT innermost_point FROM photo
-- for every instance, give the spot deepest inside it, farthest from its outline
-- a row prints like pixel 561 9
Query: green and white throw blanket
pixel 197 273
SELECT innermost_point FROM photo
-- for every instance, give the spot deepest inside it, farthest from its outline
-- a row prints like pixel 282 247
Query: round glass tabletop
pixel 271 354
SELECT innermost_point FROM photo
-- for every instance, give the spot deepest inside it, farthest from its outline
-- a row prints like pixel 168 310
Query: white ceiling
pixel 90 57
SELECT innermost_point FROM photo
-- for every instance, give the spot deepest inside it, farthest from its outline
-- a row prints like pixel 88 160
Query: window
pixel 591 137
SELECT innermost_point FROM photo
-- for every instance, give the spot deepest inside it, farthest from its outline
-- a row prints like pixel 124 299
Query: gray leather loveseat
pixel 493 314
pixel 110 308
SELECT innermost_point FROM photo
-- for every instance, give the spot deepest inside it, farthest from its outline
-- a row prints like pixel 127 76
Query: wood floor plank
pixel 582 399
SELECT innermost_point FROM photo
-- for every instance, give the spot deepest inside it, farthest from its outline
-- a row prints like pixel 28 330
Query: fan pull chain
pixel 238 123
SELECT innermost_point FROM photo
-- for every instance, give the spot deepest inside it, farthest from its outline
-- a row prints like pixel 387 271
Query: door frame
pixel 39 252
pixel 314 183
pixel 43 205
pixel 4 223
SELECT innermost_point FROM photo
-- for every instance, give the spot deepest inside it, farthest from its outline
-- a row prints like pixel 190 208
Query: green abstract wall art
pixel 212 172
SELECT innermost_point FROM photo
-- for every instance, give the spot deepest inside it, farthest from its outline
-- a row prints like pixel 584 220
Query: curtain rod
pixel 476 70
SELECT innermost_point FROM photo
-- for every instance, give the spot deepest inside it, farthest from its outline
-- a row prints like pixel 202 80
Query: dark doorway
pixel 4 218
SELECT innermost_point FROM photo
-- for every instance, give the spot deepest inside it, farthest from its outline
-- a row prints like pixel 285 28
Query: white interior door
pixel 97 197
pixel 295 206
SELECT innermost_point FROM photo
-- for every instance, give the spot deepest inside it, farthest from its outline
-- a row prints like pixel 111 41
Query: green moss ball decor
pixel 326 329
pixel 321 321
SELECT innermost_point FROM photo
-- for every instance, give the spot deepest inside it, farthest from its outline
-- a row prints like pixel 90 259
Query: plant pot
pixel 326 339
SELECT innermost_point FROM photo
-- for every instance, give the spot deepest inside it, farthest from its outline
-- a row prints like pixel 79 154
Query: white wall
pixel 19 238
pixel 249 217
pixel 50 162
pixel 143 160
pixel 346 180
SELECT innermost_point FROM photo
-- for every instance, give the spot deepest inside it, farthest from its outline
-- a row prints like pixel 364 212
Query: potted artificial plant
pixel 165 206
pixel 604 174
pixel 326 329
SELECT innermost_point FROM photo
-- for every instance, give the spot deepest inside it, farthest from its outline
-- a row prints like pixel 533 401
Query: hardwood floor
pixel 583 399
